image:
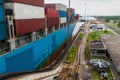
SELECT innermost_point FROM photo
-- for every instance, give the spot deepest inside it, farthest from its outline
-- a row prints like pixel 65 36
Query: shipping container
pixel 60 7
pixel 69 13
pixel 68 19
pixel 2 14
pixel 63 20
pixel 1 1
pixel 73 14
pixel 3 31
pixel 51 13
pixel 62 13
pixel 24 11
pixel 71 10
pixel 30 2
pixel 52 22
pixel 52 6
pixel 28 25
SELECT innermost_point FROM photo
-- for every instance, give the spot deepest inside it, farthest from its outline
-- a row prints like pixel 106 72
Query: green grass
pixel 98 57
pixel 72 54
pixel 96 35
pixel 81 35
pixel 95 74
pixel 112 24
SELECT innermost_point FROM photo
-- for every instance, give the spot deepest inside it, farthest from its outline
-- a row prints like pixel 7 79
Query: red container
pixel 77 16
pixel 52 22
pixel 71 10
pixel 31 2
pixel 52 6
pixel 28 25
pixel 51 13
pixel 69 14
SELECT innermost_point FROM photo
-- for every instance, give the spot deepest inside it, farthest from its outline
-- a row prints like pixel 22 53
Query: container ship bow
pixel 30 33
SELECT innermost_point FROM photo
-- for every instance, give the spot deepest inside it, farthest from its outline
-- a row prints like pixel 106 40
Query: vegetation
pixel 108 18
pixel 72 53
pixel 81 35
pixel 95 74
pixel 118 24
pixel 96 36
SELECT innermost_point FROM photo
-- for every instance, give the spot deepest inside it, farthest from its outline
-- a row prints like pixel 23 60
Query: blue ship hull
pixel 30 56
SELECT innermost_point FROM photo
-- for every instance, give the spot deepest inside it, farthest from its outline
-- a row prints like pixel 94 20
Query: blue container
pixel 68 19
pixel 3 31
pixel 73 14
pixel 2 14
pixel 62 13
pixel 1 1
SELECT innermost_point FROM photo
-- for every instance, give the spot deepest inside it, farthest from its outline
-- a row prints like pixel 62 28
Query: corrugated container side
pixel 51 13
pixel 68 19
pixel 71 9
pixel 69 13
pixel 63 20
pixel 1 1
pixel 62 13
pixel 73 14
pixel 2 14
pixel 30 2
pixel 50 6
pixel 24 11
pixel 28 25
pixel 3 31
pixel 61 7
pixel 77 16
pixel 52 22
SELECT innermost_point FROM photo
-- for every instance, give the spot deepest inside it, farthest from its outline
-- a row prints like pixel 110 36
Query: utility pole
pixel 85 12
pixel 68 32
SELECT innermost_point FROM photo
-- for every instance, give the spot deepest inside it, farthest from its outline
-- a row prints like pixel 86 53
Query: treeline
pixel 108 18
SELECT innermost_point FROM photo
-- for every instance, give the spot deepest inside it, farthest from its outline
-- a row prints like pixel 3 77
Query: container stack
pixel 3 28
pixel 69 16
pixel 72 12
pixel 28 15
pixel 62 11
pixel 77 17
pixel 52 17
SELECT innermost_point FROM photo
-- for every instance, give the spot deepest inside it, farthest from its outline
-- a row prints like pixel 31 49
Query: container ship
pixel 31 31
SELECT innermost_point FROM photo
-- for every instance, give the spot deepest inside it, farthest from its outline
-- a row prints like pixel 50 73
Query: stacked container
pixel 62 11
pixel 3 28
pixel 28 15
pixel 77 16
pixel 52 17
pixel 72 12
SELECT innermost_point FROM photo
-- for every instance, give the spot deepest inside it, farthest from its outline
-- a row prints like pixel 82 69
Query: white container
pixel 61 7
pixel 24 11
pixel 63 20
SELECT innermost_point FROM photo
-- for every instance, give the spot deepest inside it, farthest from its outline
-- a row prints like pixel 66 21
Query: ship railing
pixel 4 47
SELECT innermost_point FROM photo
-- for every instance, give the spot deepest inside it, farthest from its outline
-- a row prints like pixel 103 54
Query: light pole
pixel 85 12
pixel 68 32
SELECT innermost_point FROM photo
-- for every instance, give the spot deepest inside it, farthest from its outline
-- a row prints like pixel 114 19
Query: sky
pixel 93 7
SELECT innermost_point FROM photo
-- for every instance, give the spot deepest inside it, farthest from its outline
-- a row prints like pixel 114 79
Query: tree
pixel 118 24
pixel 115 21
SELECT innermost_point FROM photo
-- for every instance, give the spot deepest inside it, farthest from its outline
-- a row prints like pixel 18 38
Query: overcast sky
pixel 94 7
